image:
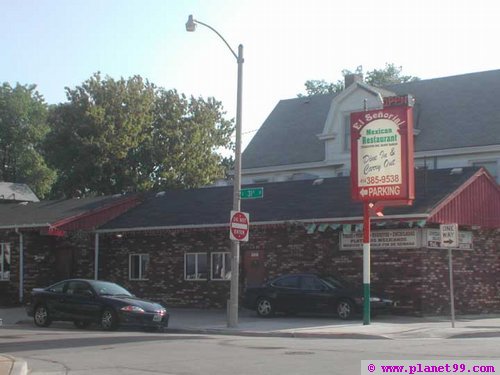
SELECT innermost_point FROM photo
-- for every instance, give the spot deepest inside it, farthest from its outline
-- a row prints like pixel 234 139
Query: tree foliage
pixel 114 136
pixel 23 114
pixel 390 74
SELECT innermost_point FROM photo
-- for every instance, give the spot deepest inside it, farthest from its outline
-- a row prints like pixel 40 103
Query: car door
pixel 53 297
pixel 287 293
pixel 81 301
pixel 315 294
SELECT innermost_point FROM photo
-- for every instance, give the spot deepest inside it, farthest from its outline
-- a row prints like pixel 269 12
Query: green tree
pixel 391 74
pixel 123 135
pixel 23 114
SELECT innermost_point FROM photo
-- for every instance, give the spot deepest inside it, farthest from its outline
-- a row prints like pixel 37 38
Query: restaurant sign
pixel 382 239
pixel 382 154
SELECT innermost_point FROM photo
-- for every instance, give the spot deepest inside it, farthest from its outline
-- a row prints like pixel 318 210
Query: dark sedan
pixel 310 293
pixel 92 301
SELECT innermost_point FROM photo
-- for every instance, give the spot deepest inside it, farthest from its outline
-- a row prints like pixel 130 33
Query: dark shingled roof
pixel 282 201
pixel 48 212
pixel 450 112
pixel 289 134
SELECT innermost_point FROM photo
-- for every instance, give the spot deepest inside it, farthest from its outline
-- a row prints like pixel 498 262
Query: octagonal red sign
pixel 239 226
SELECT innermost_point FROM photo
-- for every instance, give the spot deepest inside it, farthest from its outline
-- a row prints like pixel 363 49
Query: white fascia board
pixel 290 167
pixel 263 223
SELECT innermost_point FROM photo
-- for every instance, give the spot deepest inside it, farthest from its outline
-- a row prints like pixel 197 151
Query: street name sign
pixel 449 235
pixel 239 226
pixel 252 193
pixel 382 154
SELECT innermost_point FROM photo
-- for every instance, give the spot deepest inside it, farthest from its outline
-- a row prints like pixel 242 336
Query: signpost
pixel 252 193
pixel 239 226
pixel 381 167
pixel 449 239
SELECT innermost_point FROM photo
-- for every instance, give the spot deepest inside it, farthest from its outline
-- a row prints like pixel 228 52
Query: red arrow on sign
pixel 239 226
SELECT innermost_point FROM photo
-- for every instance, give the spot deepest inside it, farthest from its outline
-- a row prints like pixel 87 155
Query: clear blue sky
pixel 59 43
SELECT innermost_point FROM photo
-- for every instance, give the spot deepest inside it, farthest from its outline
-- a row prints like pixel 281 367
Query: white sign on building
pixel 432 239
pixel 382 239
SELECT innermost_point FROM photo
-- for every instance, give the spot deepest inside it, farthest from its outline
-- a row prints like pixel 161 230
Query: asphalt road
pixel 64 350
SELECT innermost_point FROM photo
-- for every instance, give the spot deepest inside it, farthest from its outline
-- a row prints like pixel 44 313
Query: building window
pixel 347 133
pixel 138 266
pixel 221 266
pixel 195 266
pixel 4 261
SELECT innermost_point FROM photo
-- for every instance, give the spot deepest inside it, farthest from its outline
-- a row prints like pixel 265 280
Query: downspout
pixel 96 257
pixel 21 265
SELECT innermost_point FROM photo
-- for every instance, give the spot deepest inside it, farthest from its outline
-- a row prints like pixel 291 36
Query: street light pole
pixel 232 318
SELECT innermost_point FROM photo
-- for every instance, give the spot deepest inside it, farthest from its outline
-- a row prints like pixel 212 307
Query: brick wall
pixel 417 278
pixel 45 260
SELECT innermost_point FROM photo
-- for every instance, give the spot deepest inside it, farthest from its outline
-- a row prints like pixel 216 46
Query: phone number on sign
pixel 387 179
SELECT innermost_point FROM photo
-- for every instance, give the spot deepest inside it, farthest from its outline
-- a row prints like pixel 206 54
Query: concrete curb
pixel 230 332
pixel 17 365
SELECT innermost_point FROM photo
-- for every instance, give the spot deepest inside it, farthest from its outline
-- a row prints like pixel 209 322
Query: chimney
pixel 352 78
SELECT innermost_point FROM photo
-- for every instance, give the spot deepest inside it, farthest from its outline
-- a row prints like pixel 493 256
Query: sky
pixel 61 43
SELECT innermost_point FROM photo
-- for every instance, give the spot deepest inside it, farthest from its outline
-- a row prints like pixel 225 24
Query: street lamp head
pixel 190 24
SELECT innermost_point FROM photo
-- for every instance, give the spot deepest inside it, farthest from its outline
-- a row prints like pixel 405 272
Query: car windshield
pixel 104 288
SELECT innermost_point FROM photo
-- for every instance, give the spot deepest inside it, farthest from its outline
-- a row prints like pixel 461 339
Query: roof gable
pixel 449 113
pixel 67 214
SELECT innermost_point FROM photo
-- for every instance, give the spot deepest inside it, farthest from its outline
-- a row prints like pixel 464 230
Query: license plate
pixel 157 318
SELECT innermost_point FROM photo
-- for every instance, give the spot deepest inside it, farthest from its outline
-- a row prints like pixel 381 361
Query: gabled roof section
pixel 14 192
pixel 325 200
pixel 476 202
pixel 62 215
pixel 336 105
pixel 451 112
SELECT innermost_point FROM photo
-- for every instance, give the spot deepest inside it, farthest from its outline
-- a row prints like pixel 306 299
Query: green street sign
pixel 252 193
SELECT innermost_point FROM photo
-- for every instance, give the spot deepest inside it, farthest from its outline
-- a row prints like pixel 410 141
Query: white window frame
pixel 5 248
pixel 225 265
pixel 196 278
pixel 141 276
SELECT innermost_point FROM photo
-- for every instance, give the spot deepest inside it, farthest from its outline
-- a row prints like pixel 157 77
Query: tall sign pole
pixel 366 263
pixel 381 167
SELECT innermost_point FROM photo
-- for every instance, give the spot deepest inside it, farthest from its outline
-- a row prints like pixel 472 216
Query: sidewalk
pixel 249 324
pixel 383 327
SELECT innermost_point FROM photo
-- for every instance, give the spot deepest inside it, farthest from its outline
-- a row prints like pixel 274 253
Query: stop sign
pixel 239 226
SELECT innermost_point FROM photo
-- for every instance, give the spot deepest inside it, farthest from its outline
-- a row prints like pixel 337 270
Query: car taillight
pixel 162 312
pixel 131 308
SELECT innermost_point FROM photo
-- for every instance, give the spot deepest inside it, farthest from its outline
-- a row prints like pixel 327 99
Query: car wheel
pixel 109 320
pixel 41 316
pixel 81 324
pixel 265 307
pixel 345 309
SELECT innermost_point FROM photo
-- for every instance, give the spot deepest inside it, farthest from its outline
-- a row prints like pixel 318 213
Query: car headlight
pixel 134 309
pixel 161 312
pixel 374 299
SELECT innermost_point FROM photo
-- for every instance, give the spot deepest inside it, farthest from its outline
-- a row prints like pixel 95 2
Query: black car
pixel 310 293
pixel 93 301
